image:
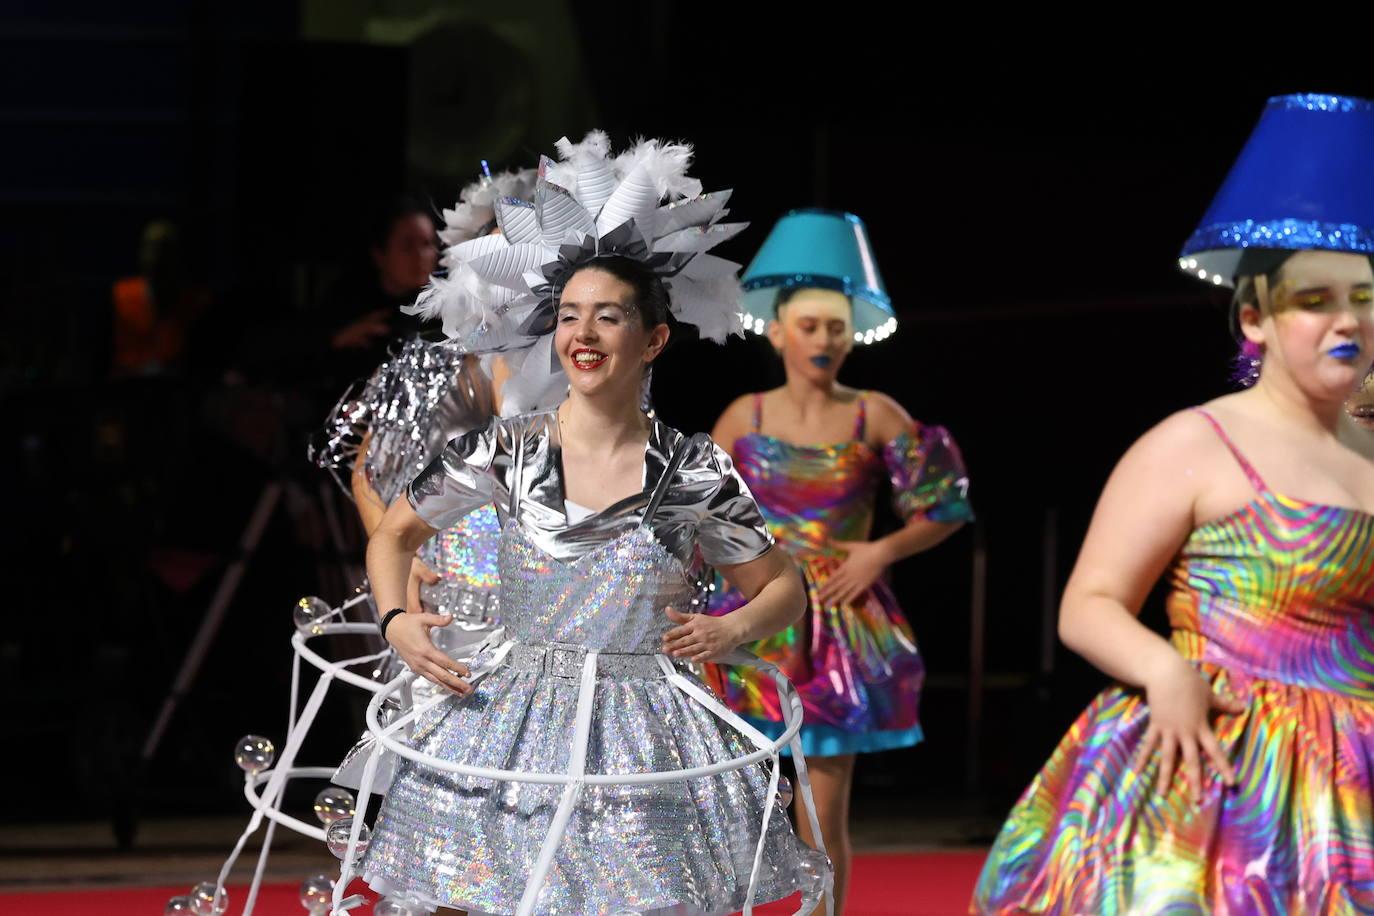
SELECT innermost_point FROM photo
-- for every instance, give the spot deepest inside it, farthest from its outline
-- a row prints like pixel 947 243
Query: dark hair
pixel 786 293
pixel 391 211
pixel 650 295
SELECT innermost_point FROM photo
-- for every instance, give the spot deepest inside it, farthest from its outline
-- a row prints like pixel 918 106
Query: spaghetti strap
pixel 758 412
pixel 861 420
pixel 1251 474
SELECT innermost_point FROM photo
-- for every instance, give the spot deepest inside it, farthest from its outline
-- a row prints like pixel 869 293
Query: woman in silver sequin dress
pixel 605 513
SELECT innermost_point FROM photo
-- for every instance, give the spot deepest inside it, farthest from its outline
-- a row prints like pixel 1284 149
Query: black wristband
pixel 388 618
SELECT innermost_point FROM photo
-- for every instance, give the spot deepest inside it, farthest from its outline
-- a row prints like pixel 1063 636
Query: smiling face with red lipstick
pixel 610 328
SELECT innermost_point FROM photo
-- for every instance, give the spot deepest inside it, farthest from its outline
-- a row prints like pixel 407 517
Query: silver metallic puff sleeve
pixel 424 394
pixel 336 445
pixel 732 529
pixel 460 480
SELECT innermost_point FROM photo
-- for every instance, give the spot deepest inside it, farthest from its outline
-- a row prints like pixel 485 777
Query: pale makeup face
pixel 1319 328
pixel 814 332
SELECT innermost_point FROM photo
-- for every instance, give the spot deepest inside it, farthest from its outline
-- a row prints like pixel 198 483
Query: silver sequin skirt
pixel 682 847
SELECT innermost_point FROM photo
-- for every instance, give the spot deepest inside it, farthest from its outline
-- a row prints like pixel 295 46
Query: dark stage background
pixel 1026 197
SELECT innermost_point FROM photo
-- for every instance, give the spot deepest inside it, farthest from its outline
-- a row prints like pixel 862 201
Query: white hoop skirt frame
pixel 266 804
pixel 574 779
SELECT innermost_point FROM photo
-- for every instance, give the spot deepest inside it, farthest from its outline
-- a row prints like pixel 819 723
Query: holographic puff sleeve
pixel 732 529
pixel 928 476
pixel 459 481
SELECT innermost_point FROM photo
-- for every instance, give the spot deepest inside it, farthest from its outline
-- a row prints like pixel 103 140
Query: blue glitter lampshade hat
pixel 827 249
pixel 1305 180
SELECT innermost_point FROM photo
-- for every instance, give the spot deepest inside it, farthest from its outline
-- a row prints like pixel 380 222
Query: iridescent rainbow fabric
pixel 1275 603
pixel 466 554
pixel 856 665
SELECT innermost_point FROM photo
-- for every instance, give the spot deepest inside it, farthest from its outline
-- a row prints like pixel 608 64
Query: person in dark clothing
pixel 361 317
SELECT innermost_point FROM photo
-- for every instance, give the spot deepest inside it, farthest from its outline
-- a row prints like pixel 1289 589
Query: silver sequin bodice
pixel 609 599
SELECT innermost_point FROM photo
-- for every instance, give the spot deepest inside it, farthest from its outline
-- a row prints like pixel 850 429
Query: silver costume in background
pixel 400 419
pixel 415 402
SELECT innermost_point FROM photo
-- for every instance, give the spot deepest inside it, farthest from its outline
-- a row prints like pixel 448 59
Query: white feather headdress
pixel 501 291
pixel 476 207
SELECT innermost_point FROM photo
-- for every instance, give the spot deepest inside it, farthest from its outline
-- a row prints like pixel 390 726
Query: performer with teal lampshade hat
pixel 815 453
pixel 819 249
pixel 1230 767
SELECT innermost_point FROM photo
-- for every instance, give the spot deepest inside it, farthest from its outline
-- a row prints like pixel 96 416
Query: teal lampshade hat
pixel 1304 181
pixel 824 249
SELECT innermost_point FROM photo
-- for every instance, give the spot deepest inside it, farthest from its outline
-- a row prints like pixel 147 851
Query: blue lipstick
pixel 822 361
pixel 1345 351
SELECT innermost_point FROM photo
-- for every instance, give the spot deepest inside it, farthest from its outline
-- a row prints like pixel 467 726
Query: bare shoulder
pixel 734 421
pixel 1178 437
pixel 886 418
pixel 1182 461
pixel 739 408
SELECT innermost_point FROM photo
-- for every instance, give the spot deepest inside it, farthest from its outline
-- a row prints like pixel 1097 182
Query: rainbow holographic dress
pixel 1275 603
pixel 856 665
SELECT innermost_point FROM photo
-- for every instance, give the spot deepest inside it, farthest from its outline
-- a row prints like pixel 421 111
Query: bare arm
pixel 773 587
pixel 917 535
pixel 732 423
pixel 371 509
pixel 1143 517
pixel 1142 520
pixel 776 600
pixel 394 541
pixel 365 497
pixel 390 551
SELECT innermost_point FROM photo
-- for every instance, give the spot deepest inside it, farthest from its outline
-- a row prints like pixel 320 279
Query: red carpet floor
pixel 888 884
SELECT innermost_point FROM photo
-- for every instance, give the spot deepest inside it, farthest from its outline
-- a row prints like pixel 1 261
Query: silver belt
pixel 565 660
